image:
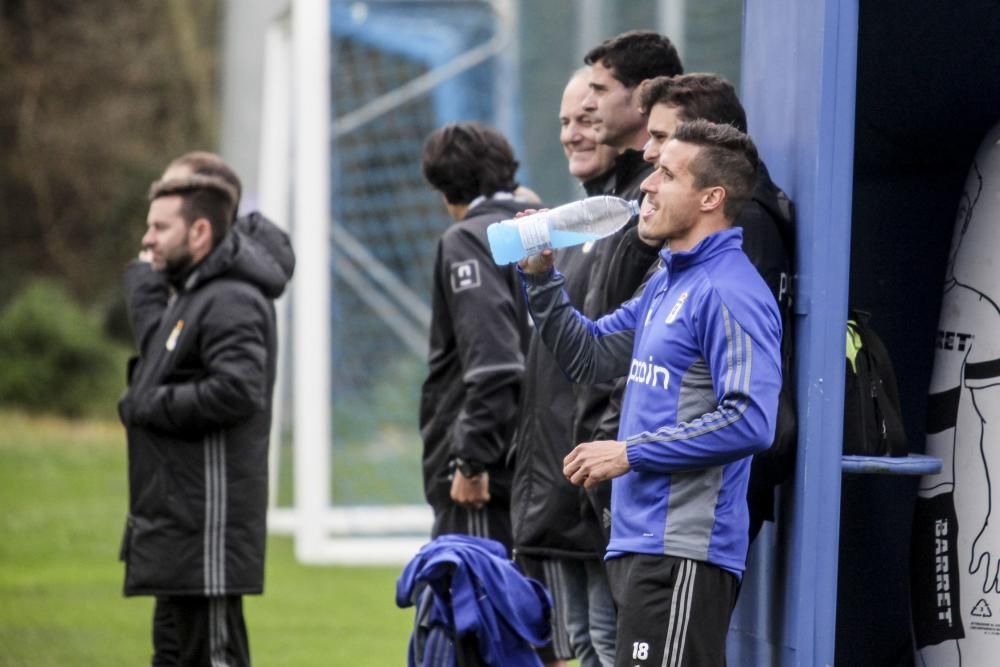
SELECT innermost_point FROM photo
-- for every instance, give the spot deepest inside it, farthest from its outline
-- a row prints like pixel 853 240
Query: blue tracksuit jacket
pixel 701 348
pixel 475 589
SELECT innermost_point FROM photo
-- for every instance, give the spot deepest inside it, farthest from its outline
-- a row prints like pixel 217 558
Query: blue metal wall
pixel 798 86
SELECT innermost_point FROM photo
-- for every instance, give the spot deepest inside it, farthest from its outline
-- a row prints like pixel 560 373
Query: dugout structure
pixel 868 112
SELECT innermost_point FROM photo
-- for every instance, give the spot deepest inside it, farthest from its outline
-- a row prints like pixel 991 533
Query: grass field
pixel 62 508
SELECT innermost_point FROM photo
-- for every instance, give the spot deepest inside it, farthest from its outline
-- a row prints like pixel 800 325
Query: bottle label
pixel 534 234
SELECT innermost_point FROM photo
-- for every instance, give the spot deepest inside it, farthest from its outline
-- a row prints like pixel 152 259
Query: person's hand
pixel 590 463
pixel 471 492
pixel 542 262
pixel 146 255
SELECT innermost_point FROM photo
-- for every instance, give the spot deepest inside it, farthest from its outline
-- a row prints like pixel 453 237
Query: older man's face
pixel 587 159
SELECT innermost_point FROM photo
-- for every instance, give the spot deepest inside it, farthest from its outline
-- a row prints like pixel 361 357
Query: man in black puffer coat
pixel 197 413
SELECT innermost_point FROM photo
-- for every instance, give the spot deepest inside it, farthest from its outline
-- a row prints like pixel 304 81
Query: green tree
pixel 95 98
pixel 54 357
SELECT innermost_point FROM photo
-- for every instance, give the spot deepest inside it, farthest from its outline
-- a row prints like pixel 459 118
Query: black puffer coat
pixel 545 507
pixel 197 413
pixel 551 517
pixel 612 282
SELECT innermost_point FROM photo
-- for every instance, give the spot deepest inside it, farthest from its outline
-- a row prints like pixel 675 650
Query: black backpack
pixel 873 424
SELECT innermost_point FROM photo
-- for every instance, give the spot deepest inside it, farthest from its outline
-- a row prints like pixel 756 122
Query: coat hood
pixel 256 251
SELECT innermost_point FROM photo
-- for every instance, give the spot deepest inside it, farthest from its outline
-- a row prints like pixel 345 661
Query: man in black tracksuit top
pixel 197 413
pixel 479 336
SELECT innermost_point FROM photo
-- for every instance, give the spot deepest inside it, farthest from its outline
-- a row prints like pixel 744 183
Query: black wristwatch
pixel 469 468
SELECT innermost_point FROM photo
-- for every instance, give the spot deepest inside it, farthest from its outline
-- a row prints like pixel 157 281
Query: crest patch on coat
pixel 677 307
pixel 465 275
pixel 174 335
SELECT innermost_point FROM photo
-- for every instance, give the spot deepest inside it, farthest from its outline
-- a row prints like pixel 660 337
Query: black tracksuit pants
pixel 198 631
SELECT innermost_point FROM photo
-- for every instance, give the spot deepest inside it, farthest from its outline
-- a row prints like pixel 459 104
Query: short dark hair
pixel 635 56
pixel 728 158
pixel 468 160
pixel 695 96
pixel 208 197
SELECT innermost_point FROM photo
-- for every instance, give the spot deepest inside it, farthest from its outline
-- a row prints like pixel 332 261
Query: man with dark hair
pixel 635 56
pixel 701 349
pixel 197 413
pixel 618 69
pixel 479 334
pixel 690 97
pixel 449 152
pixel 202 196
pixel 768 240
pixel 558 538
pixel 619 66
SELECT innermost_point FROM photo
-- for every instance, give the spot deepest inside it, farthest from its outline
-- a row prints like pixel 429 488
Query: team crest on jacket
pixel 464 275
pixel 174 335
pixel 677 307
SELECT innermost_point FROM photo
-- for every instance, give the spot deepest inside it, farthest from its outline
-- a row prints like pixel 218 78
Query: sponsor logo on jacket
pixel 648 373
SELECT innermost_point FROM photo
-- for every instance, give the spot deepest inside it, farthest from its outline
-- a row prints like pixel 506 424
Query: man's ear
pixel 201 234
pixel 713 199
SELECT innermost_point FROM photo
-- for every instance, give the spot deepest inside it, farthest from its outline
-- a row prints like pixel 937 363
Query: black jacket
pixel 768 222
pixel 545 507
pixel 616 273
pixel 479 334
pixel 197 413
pixel 551 517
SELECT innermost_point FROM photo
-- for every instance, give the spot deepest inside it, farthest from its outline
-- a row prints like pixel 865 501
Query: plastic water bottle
pixel 570 224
